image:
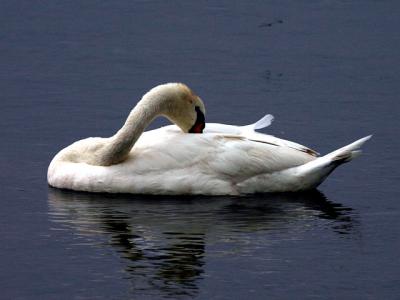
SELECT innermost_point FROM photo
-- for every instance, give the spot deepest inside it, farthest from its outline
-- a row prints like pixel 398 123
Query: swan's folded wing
pixel 241 158
pixel 223 153
pixel 230 131
pixel 270 139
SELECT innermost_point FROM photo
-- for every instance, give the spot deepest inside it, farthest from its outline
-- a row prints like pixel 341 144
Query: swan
pixel 187 158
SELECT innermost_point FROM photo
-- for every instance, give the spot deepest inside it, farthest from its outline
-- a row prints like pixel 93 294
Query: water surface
pixel 327 70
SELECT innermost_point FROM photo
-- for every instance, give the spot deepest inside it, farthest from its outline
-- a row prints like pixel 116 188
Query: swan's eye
pixel 200 123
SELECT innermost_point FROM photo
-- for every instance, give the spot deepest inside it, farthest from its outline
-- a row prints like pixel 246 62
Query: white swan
pixel 225 159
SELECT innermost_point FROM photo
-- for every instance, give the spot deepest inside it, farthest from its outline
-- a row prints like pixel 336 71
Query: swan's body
pixel 225 159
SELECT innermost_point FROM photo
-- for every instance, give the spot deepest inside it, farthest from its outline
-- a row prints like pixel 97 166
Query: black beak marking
pixel 200 123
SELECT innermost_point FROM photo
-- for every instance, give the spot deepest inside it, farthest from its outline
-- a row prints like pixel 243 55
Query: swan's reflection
pixel 163 239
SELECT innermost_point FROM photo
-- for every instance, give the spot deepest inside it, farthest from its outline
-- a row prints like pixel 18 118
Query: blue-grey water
pixel 327 70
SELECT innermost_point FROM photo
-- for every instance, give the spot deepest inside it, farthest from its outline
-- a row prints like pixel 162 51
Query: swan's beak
pixel 200 123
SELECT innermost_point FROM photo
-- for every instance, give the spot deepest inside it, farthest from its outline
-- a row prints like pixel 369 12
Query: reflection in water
pixel 163 240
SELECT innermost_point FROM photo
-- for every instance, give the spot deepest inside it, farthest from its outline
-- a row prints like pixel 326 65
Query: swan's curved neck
pixel 119 145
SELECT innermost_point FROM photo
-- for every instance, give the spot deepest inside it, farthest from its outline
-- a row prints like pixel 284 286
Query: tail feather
pixel 315 172
pixel 355 146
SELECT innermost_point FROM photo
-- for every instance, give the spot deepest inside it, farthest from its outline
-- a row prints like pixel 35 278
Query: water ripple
pixel 165 242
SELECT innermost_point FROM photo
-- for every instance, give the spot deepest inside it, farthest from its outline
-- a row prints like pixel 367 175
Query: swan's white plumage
pixel 225 159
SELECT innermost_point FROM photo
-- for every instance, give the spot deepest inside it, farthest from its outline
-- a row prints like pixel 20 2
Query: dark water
pixel 329 72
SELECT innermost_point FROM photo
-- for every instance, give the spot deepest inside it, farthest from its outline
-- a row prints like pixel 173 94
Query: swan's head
pixel 181 106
